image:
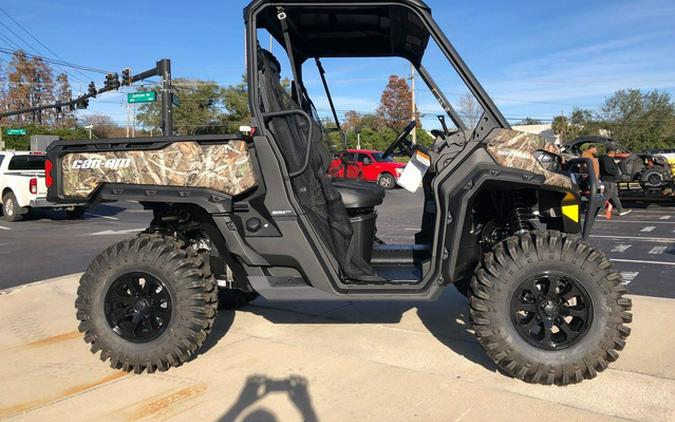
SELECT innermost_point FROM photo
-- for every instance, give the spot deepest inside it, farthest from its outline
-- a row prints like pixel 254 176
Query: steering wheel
pixel 399 139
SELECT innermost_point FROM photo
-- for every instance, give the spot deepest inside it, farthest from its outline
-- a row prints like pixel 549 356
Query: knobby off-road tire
pixel 180 289
pixel 571 263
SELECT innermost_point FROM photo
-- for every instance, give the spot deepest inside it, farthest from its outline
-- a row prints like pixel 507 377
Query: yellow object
pixel 570 207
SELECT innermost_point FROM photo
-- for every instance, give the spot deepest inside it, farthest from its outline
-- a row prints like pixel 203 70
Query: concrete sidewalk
pixel 332 362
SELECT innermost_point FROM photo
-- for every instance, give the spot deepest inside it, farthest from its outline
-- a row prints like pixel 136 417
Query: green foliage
pixel 640 121
pixel 529 121
pixel 22 143
pixel 579 123
pixel 637 120
pixel 205 108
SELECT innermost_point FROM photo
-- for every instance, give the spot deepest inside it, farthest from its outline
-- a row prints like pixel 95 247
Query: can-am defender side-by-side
pixel 239 216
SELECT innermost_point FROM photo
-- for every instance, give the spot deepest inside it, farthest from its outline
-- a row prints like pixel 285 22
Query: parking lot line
pixel 629 276
pixel 648 229
pixel 635 221
pixel 657 250
pixel 4 228
pixel 621 248
pixel 665 217
pixel 102 216
pixel 639 261
pixel 646 239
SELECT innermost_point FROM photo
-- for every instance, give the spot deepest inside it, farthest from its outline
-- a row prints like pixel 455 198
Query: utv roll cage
pixel 352 28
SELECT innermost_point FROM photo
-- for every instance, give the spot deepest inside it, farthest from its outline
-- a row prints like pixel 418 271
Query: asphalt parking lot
pixel 46 245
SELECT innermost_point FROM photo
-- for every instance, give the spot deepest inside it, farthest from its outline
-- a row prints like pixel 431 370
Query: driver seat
pixel 359 195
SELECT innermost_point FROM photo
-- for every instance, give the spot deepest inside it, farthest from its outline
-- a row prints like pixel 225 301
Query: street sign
pixel 16 132
pixel 142 97
pixel 175 99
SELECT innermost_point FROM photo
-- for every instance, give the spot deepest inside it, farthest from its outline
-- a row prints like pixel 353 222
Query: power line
pixel 37 40
pixel 32 48
pixel 56 62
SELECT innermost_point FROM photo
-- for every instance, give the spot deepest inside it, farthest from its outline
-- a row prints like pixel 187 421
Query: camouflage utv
pixel 237 216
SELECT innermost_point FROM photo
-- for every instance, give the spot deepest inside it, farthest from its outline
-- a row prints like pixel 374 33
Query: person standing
pixel 591 153
pixel 610 174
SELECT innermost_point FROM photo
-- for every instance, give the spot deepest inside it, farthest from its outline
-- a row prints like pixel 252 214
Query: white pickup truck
pixel 22 186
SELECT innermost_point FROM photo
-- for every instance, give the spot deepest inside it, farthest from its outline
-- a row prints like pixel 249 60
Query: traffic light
pixel 126 77
pixel 112 81
pixel 92 89
pixel 82 103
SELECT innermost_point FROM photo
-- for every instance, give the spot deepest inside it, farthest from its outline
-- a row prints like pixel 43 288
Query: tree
pixel 640 121
pixel 395 108
pixel 529 121
pixel 200 110
pixel 470 110
pixel 64 93
pixel 235 98
pixel 103 126
pixel 30 84
pixel 19 79
pixel 580 122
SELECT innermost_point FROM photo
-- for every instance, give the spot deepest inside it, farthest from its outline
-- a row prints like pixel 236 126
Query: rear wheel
pixel 387 181
pixel 655 177
pixel 549 309
pixel 147 303
pixel 10 207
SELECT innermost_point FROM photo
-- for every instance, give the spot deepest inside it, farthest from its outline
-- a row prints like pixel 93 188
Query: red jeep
pixel 367 165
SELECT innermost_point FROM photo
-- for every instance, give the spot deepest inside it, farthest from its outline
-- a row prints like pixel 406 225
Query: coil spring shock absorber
pixel 520 213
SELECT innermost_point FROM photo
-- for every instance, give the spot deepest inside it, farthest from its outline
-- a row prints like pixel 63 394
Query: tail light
pixel 32 186
pixel 48 174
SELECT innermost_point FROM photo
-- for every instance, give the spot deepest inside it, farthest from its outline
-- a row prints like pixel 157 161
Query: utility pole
pixel 128 117
pixel 414 107
pixel 164 71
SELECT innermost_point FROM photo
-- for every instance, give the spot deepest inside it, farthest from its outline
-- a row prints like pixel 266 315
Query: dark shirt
pixel 609 171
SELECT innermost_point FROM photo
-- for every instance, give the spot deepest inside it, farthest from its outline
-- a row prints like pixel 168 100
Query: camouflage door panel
pixel 511 148
pixel 224 167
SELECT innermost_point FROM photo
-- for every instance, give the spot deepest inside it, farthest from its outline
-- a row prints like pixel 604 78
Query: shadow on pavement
pixel 446 319
pixel 60 215
pixel 258 387
pixel 221 326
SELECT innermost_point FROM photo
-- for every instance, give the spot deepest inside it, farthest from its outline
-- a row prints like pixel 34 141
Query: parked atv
pixel 652 171
pixel 238 216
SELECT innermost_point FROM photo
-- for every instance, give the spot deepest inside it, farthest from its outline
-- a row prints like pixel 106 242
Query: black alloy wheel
pixel 551 311
pixel 138 307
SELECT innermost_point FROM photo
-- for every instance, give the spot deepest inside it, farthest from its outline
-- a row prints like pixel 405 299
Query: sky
pixel 535 59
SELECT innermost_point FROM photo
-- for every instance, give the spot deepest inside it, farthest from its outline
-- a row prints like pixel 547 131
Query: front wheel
pixel 387 181
pixel 147 303
pixel 549 309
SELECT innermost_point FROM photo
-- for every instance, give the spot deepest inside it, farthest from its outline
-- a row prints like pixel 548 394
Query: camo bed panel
pixel 224 167
pixel 511 148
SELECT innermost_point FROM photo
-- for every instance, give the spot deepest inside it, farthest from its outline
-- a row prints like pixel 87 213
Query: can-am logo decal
pixel 112 164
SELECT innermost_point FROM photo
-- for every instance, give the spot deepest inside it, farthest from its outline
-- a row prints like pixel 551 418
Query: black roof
pixel 596 139
pixel 348 28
